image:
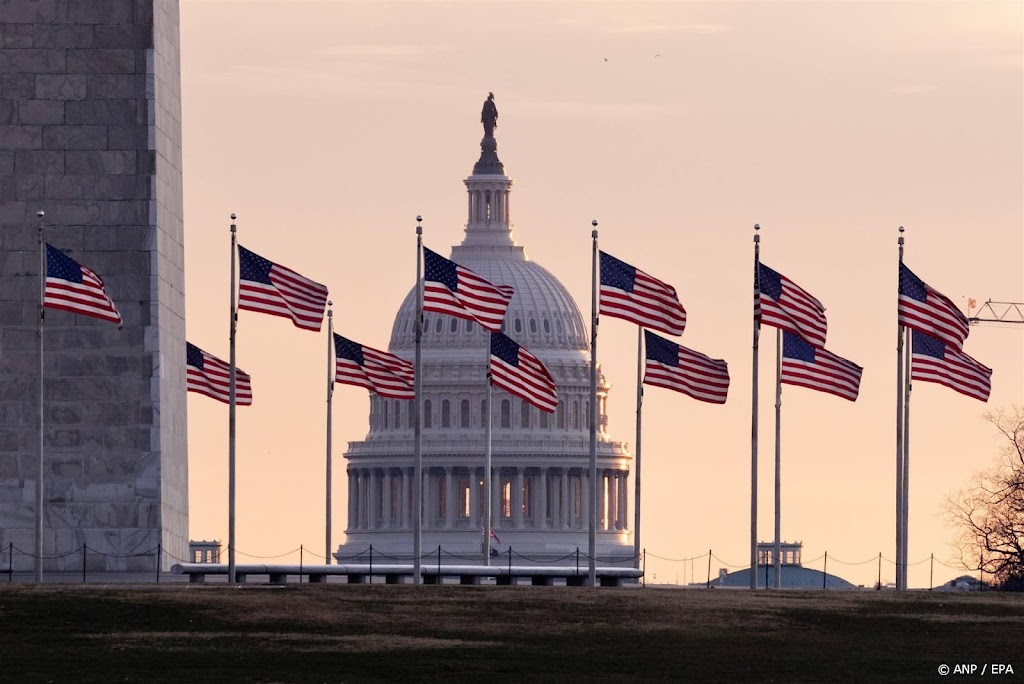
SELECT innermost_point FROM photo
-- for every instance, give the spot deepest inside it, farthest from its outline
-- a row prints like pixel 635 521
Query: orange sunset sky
pixel 328 126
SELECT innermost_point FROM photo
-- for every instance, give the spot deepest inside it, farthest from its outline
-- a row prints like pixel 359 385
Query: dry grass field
pixel 342 633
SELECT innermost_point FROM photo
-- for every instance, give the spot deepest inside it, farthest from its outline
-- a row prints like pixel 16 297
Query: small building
pixel 792 573
pixel 204 551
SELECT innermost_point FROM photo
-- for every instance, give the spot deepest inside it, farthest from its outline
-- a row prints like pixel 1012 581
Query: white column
pixel 449 498
pixel 406 511
pixel 585 485
pixel 542 496
pixel 623 500
pixel 508 214
pixel 565 510
pixel 352 522
pixel 474 499
pixel 517 500
pixel 386 500
pixel 373 499
pixel 361 498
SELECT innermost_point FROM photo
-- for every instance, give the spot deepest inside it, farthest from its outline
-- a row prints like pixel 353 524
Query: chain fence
pixel 441 558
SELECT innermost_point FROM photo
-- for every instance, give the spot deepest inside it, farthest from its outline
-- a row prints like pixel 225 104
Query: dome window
pixel 438 325
pixel 506 413
pixel 483 413
pixel 454 326
pixel 543 419
pixel 519 326
pixel 533 326
pixel 464 413
pixel 428 418
pixel 525 415
pixel 446 414
pixel 469 328
pixel 547 327
pixel 560 415
pixel 558 326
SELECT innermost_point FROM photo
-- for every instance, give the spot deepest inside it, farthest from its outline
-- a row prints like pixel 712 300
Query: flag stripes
pixel 781 303
pixel 270 288
pixel 927 310
pixel 818 369
pixel 520 373
pixel 206 374
pixel 452 289
pixel 630 294
pixel 932 360
pixel 382 373
pixel 677 368
pixel 75 288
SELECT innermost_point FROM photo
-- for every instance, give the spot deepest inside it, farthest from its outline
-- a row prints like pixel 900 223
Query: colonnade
pixel 545 498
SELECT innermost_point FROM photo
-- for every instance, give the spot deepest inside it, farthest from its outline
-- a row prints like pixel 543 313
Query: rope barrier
pixel 873 559
pixel 544 562
pixel 676 560
pixel 280 555
pixel 729 565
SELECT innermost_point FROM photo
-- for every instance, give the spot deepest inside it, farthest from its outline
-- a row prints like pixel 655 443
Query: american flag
pixel 781 303
pixel 674 367
pixel 380 372
pixel 818 369
pixel 929 311
pixel 210 376
pixel 932 360
pixel 519 372
pixel 73 287
pixel 629 293
pixel 273 289
pixel 451 289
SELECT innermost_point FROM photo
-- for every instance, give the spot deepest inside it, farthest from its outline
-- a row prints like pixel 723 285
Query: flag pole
pixel 639 433
pixel 778 458
pixel 231 412
pixel 899 440
pixel 592 536
pixel 42 424
pixel 906 459
pixel 330 396
pixel 753 418
pixel 417 485
pixel 488 493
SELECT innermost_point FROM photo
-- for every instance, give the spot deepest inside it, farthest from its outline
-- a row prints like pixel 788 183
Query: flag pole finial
pixel 757 235
pixel 901 235
pixel 593 233
pixel 419 228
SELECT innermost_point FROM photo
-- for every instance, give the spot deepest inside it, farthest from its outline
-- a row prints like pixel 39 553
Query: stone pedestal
pixel 90 133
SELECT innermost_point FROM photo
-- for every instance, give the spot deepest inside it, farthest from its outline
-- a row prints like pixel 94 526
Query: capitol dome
pixel 540 461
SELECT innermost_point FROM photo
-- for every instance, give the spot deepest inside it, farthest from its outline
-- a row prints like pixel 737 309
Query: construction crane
pixel 998 312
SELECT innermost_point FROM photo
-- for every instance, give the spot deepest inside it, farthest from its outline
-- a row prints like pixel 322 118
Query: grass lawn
pixel 342 633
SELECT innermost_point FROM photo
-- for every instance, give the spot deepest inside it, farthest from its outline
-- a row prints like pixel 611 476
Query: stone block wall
pixel 90 133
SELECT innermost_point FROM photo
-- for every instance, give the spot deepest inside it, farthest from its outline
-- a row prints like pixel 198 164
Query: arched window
pixel 397 412
pixel 384 413
pixel 533 328
pixel 558 325
pixel 575 414
pixel 428 418
pixel 464 413
pixel 412 414
pixel 468 325
pixel 543 419
pixel 446 414
pixel 519 326
pixel 454 327
pixel 483 413
pixel 524 417
pixel 560 415
pixel 506 413
pixel 547 329
pixel 438 324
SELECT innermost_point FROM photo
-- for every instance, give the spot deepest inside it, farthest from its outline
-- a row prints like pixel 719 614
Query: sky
pixel 329 126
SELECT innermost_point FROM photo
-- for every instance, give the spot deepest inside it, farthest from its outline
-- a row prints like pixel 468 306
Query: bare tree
pixel 988 514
